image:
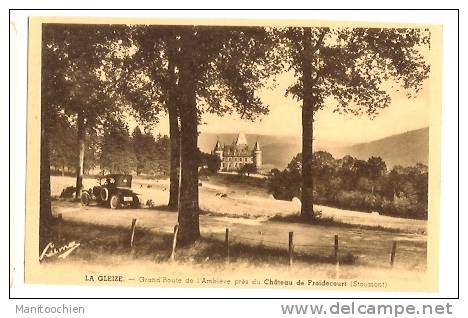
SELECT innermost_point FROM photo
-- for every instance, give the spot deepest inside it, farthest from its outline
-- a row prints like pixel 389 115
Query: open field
pixel 249 201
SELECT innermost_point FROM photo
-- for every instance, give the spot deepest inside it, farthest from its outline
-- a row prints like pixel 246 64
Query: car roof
pixel 113 175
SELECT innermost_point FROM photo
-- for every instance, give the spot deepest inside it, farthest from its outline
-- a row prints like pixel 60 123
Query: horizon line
pixel 326 140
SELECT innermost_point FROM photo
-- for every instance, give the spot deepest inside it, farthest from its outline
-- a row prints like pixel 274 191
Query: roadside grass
pixel 236 183
pixel 297 218
pixel 232 215
pixel 330 221
pixel 166 208
pixel 161 207
pixel 111 244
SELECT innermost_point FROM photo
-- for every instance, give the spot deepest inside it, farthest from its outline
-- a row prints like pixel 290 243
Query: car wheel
pixel 104 194
pixel 85 198
pixel 114 202
pixel 136 202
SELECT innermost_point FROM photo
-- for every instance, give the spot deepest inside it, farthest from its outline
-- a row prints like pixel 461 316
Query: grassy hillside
pixel 404 149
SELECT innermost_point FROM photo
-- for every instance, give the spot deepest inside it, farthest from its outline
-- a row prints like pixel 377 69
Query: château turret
pixel 257 155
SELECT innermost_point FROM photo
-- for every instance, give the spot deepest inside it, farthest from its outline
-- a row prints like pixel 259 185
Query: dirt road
pixel 371 246
pixel 249 202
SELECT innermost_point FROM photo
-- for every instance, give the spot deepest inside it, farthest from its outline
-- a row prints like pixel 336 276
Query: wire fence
pixel 235 238
pixel 334 250
pixel 330 248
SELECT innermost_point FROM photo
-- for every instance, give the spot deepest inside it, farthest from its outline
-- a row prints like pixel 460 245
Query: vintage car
pixel 114 190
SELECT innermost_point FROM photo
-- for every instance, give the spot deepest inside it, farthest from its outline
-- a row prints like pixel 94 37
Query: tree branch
pixel 319 41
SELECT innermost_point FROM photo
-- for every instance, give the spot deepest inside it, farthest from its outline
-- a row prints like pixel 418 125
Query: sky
pixel 284 118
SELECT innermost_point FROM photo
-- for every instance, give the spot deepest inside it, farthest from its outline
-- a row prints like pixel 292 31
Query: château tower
pixel 257 155
pixel 218 150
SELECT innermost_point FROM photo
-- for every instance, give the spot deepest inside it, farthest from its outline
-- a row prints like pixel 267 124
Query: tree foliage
pixel 152 154
pixel 248 169
pixel 211 162
pixel 77 82
pixel 357 66
pixel 356 184
pixel 354 67
pixel 78 86
pixel 117 155
pixel 62 144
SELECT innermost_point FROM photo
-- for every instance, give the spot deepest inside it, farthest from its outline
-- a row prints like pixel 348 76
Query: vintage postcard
pixel 233 154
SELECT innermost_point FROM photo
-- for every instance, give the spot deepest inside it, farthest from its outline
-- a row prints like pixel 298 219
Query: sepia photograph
pixel 233 154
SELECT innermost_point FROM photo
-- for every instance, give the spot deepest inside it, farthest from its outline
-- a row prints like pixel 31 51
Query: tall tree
pixel 117 151
pixel 45 210
pixel 140 149
pixel 152 154
pixel 377 168
pixel 52 90
pixel 356 67
pixel 151 87
pixel 92 150
pixel 220 70
pixel 62 144
pixel 197 69
pixel 86 94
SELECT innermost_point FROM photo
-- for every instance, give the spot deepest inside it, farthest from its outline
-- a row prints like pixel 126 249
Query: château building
pixel 238 154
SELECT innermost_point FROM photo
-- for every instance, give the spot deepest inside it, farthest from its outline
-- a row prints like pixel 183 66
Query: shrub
pixel 350 183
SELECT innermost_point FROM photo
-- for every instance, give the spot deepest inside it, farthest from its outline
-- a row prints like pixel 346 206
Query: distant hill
pixel 404 149
pixel 277 150
pixel 279 159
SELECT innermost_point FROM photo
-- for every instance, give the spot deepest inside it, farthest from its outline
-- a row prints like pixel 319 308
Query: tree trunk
pixel 45 210
pixel 174 135
pixel 81 134
pixel 189 229
pixel 174 129
pixel 307 205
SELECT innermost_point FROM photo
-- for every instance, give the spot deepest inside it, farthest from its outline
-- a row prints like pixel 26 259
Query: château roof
pixel 241 139
pixel 257 146
pixel 237 148
pixel 218 146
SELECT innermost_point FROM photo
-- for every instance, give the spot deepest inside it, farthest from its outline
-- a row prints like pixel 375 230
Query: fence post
pixel 337 252
pixel 174 241
pixel 392 255
pixel 132 232
pixel 291 248
pixel 59 227
pixel 226 244
pixel 337 258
